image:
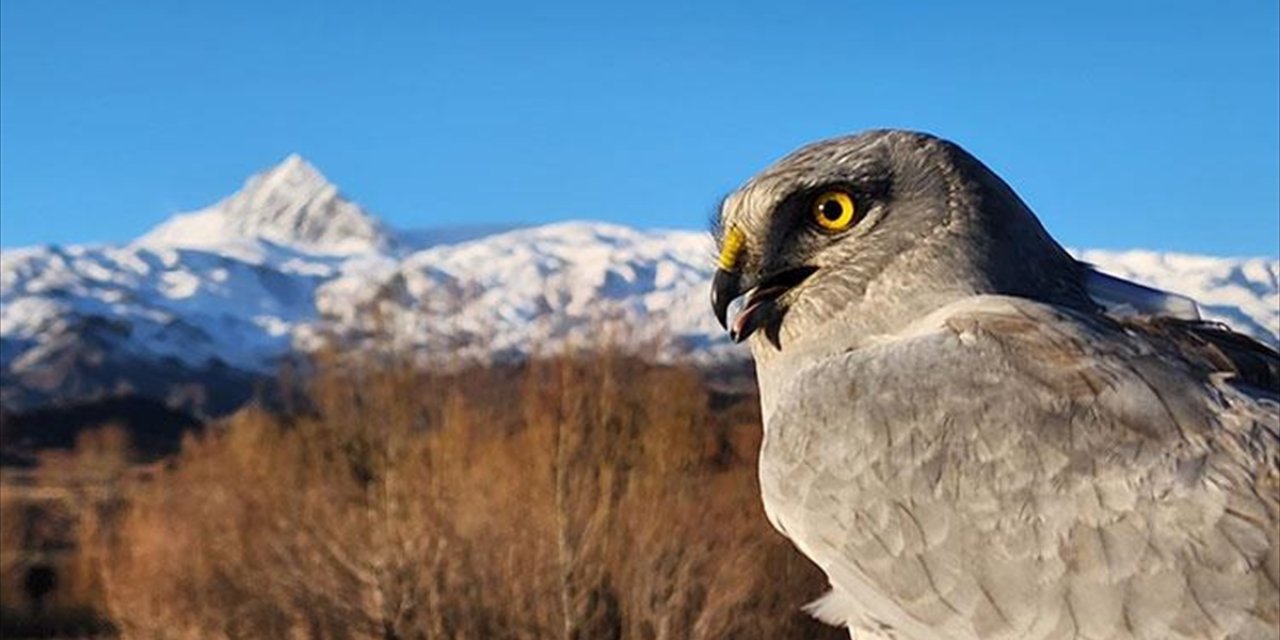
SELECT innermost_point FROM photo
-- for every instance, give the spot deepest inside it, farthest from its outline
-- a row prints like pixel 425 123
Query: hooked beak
pixel 761 308
pixel 726 287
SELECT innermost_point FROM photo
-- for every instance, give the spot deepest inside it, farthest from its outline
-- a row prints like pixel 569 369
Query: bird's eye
pixel 834 210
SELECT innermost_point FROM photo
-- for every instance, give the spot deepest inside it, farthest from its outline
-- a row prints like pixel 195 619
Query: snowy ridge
pixel 1242 292
pixel 291 204
pixel 542 287
pixel 287 263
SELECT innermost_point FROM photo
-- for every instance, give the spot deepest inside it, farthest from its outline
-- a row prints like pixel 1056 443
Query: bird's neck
pixel 900 301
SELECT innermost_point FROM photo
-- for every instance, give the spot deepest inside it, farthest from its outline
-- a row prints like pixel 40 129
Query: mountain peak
pixel 291 203
pixel 294 159
pixel 294 169
pixel 293 181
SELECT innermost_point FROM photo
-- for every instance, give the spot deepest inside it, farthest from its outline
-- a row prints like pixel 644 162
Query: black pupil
pixel 832 210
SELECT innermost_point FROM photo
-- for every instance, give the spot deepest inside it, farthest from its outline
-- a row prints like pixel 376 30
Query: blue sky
pixel 1134 124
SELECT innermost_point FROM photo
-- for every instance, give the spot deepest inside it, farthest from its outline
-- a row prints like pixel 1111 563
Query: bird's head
pixel 860 235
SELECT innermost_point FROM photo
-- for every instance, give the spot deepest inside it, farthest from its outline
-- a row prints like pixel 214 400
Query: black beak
pixel 762 309
pixel 726 287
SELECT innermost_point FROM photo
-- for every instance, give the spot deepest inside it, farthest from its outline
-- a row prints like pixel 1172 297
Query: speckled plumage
pixel 970 447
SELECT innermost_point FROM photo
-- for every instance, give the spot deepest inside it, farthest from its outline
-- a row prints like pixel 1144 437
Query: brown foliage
pixel 573 498
pixel 49 586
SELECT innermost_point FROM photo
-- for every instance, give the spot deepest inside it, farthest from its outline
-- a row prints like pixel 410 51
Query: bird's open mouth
pixel 761 308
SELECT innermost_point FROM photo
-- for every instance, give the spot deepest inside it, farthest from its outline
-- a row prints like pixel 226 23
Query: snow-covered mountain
pixel 291 204
pixel 197 309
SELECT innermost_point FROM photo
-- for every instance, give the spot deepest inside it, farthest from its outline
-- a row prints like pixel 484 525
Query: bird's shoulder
pixel 1007 468
pixel 1152 378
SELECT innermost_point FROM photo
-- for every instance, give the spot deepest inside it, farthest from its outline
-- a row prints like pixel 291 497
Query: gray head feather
pixel 936 225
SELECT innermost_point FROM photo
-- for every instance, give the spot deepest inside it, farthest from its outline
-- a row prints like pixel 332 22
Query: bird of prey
pixel 973 434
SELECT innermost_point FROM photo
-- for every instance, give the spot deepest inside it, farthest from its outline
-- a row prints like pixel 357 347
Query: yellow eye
pixel 834 211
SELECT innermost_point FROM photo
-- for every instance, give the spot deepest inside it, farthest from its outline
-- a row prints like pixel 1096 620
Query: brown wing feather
pixel 1214 346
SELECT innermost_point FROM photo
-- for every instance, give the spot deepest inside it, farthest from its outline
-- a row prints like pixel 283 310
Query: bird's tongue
pixel 744 317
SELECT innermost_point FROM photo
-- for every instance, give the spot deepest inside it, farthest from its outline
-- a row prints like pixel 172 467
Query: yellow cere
pixel 731 249
pixel 834 210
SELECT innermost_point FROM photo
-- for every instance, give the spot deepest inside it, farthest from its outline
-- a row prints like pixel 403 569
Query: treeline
pixel 571 497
